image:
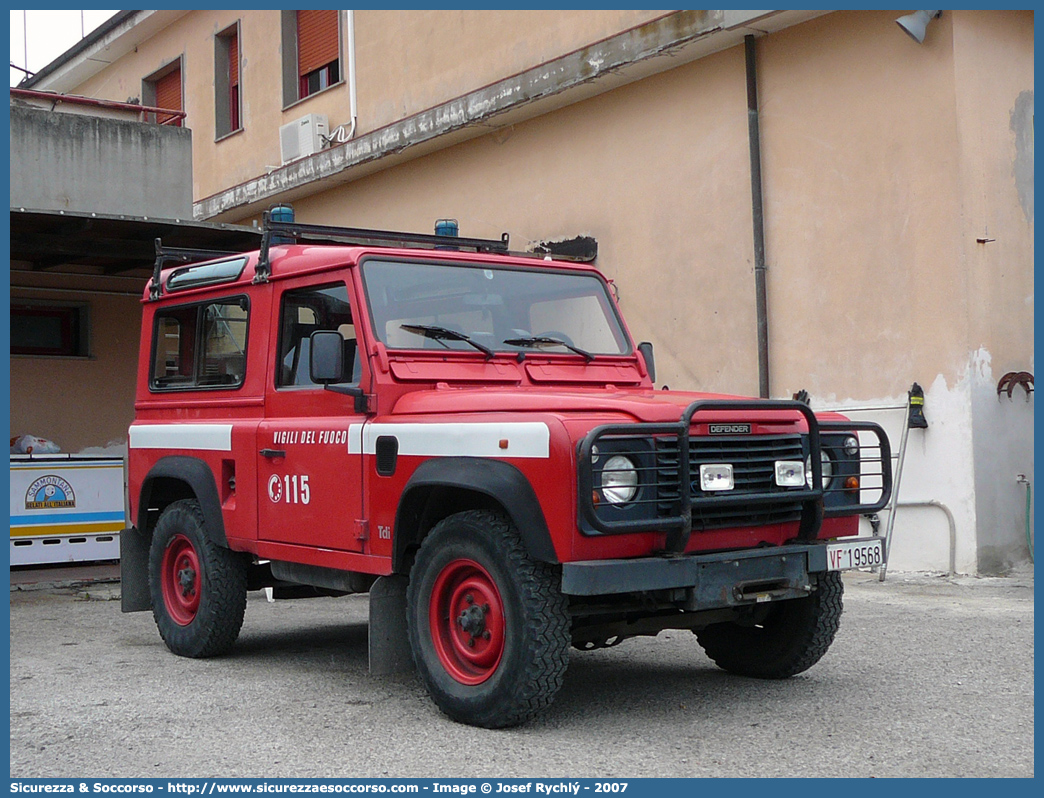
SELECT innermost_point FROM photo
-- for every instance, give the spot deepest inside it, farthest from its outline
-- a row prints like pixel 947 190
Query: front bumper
pixel 706 581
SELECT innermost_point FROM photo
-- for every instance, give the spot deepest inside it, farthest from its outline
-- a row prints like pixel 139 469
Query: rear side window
pixel 200 346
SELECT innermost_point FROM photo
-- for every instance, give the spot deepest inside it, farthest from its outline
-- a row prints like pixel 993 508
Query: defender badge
pixel 728 429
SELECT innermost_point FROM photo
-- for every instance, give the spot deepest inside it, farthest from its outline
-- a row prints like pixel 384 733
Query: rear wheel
pixel 198 588
pixel 488 626
pixel 791 637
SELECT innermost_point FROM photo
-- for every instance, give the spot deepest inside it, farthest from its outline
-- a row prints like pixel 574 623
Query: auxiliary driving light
pixel 828 469
pixel 619 479
pixel 716 476
pixel 790 473
pixel 851 445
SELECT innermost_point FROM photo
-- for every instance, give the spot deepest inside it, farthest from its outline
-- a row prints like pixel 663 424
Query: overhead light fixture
pixel 916 24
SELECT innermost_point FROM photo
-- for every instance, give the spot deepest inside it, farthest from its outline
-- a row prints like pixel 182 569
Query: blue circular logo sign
pixel 50 493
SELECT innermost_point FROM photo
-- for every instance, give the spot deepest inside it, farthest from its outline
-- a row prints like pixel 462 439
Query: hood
pixel 635 404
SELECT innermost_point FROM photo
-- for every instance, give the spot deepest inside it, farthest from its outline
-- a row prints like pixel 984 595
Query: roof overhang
pixel 119 35
pixel 57 242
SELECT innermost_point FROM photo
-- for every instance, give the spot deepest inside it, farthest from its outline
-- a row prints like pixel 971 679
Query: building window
pixel 311 53
pixel 200 346
pixel 226 81
pixel 49 328
pixel 162 89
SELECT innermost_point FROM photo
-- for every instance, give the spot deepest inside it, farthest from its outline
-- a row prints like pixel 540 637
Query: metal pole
pixel 895 487
pixel 758 213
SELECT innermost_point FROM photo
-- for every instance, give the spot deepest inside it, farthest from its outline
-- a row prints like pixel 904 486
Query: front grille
pixel 753 459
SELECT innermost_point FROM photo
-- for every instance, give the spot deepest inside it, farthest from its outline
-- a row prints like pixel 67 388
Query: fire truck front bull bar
pixel 678 523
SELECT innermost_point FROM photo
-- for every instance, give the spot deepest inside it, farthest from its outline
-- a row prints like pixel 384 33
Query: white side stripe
pixel 521 439
pixel 209 437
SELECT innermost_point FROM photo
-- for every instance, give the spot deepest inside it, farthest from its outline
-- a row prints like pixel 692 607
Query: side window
pixel 200 346
pixel 172 360
pixel 303 312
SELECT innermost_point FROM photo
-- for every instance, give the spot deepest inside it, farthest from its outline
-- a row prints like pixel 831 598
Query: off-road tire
pixel 472 560
pixel 793 637
pixel 198 588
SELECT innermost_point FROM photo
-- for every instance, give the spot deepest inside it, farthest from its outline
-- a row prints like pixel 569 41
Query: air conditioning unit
pixel 302 137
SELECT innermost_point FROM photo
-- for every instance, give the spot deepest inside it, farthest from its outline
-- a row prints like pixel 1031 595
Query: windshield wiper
pixel 538 341
pixel 444 334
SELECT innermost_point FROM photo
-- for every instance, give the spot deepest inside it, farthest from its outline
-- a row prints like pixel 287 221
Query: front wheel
pixel 198 588
pixel 488 626
pixel 788 639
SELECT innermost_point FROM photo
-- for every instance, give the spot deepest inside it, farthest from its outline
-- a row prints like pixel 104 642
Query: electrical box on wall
pixel 302 137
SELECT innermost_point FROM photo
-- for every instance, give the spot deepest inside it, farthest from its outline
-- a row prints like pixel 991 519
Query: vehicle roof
pixel 288 260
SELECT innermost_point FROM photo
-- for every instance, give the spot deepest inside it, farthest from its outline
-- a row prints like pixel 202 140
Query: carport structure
pixel 77 278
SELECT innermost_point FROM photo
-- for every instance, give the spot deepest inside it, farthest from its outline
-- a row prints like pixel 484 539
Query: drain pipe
pixel 338 135
pixel 758 213
pixel 352 100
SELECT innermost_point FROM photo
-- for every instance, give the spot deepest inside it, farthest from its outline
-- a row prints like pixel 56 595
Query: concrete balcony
pixel 76 154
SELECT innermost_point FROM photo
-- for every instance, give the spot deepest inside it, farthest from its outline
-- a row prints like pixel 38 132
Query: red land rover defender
pixel 471 436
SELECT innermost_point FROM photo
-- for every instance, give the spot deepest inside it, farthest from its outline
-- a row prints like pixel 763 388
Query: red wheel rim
pixel 466 616
pixel 181 581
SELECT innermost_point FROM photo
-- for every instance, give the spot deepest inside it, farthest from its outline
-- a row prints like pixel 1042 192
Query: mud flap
pixel 389 642
pixel 134 571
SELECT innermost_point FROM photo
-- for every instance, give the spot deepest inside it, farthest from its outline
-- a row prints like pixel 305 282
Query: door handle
pixel 273 453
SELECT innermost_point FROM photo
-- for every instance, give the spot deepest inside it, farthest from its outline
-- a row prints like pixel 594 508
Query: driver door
pixel 309 486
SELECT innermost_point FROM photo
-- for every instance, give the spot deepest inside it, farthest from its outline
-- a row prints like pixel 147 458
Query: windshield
pixel 469 308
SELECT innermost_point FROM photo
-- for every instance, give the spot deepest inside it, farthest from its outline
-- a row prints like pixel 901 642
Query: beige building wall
pixel 994 68
pixel 862 203
pixel 898 188
pixel 460 51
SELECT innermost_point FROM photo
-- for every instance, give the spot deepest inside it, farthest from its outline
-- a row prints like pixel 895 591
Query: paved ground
pixel 929 676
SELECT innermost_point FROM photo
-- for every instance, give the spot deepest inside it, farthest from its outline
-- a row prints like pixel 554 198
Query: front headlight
pixel 619 479
pixel 828 469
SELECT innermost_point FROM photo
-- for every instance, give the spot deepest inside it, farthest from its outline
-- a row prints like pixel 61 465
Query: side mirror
pixel 326 357
pixel 326 367
pixel 646 348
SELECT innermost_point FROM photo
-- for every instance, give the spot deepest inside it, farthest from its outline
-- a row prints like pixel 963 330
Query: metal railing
pixel 894 504
pixel 170 116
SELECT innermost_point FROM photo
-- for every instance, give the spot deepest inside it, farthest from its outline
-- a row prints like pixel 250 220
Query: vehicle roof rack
pixel 166 255
pixel 274 232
